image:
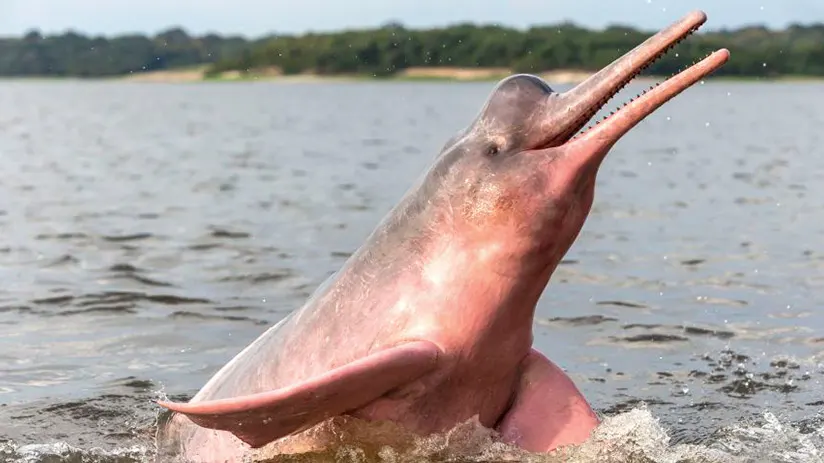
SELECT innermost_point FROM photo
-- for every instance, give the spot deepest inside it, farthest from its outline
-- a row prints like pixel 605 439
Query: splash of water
pixel 635 436
pixel 65 453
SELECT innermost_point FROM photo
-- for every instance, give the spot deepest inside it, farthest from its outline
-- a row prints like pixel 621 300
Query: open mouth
pixel 586 99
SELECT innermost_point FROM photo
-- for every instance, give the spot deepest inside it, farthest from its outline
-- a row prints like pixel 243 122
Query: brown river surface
pixel 148 232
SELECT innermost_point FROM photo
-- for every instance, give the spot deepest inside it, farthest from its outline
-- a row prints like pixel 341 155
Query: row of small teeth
pixel 630 78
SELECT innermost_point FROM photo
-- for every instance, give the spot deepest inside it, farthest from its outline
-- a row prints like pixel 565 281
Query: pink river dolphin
pixel 429 323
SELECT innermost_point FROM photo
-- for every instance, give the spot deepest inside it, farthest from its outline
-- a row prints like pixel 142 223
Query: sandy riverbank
pixel 456 74
pixel 197 74
pixel 193 74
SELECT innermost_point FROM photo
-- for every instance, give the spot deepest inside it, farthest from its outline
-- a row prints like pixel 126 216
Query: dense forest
pixel 76 55
pixel 756 51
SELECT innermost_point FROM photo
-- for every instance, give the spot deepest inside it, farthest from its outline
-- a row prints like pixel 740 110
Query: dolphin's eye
pixel 493 149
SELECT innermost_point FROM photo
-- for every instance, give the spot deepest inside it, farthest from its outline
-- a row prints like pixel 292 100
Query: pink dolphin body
pixel 429 323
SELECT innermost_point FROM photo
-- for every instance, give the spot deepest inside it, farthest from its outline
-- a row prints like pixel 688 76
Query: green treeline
pixel 756 51
pixel 76 55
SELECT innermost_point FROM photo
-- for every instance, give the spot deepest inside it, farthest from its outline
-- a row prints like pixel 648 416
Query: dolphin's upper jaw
pixel 573 109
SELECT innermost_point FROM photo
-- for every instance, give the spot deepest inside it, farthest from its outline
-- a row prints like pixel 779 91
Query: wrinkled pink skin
pixel 460 264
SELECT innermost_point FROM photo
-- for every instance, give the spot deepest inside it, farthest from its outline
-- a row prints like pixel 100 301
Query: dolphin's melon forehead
pixel 525 86
pixel 513 107
pixel 516 107
pixel 517 98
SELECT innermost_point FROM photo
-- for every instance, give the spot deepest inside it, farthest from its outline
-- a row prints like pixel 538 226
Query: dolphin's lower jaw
pixel 430 322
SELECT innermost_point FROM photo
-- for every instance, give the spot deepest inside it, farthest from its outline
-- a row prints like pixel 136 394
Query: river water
pixel 148 232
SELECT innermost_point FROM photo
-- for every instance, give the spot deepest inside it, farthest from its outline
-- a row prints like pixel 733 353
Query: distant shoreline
pixel 447 74
pixel 415 74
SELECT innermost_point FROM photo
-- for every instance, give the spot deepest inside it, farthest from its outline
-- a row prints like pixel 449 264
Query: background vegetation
pixel 757 51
